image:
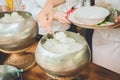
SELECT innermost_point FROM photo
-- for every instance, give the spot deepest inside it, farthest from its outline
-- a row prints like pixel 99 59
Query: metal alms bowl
pixel 15 36
pixel 60 64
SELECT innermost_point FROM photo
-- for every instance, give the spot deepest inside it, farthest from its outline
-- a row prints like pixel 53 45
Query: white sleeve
pixel 3 2
pixel 67 5
pixel 104 3
pixel 33 7
pixel 72 3
pixel 114 3
pixel 41 2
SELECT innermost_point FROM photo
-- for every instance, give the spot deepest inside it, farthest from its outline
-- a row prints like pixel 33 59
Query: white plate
pixel 71 17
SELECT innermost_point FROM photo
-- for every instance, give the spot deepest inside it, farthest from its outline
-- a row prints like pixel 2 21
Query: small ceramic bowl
pixel 91 15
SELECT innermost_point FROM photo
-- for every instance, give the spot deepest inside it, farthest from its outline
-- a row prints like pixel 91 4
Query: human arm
pixel 61 12
pixel 114 4
pixel 114 8
pixel 3 6
pixel 55 2
pixel 46 15
pixel 117 23
pixel 61 17
pixel 22 7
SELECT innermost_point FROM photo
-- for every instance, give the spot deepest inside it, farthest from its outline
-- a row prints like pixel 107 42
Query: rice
pixel 10 18
pixel 61 43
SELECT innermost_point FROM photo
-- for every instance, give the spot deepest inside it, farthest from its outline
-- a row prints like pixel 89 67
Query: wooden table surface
pixel 90 72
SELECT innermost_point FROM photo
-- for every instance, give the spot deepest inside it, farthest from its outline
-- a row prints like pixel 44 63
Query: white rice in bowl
pixel 61 43
pixel 10 18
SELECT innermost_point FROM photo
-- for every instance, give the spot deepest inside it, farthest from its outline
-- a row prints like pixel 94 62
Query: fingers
pixel 50 20
pixel 117 20
pixel 61 17
pixel 45 21
pixel 65 21
pixel 4 8
pixel 22 7
pixel 45 17
pixel 117 23
pixel 115 26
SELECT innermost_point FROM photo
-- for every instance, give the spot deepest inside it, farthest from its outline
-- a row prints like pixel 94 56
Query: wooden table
pixel 90 72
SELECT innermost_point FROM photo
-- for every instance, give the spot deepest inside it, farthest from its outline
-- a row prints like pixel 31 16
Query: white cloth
pixel 3 2
pixel 34 7
pixel 106 52
pixel 106 42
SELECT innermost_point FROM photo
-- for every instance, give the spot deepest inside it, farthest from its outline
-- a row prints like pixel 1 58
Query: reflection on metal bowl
pixel 63 65
pixel 15 36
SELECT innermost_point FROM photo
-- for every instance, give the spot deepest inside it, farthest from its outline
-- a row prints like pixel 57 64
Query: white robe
pixel 3 2
pixel 106 43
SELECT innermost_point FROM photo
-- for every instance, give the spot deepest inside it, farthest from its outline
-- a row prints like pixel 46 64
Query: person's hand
pixel 4 8
pixel 117 23
pixel 22 7
pixel 45 17
pixel 61 17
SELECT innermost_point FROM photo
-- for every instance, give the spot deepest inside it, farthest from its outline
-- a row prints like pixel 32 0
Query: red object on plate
pixel 69 12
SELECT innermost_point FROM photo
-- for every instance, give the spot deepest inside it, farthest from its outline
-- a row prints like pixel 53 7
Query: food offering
pixel 93 17
pixel 18 32
pixel 62 54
